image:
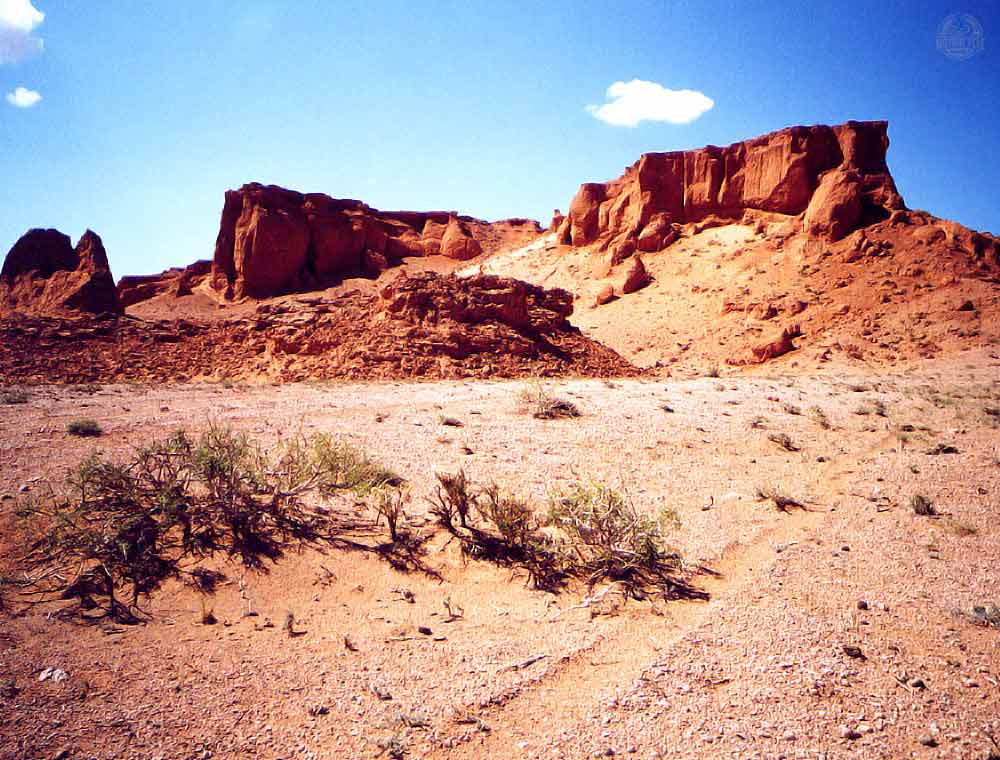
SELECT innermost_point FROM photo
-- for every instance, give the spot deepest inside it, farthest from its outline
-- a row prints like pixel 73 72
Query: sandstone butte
pixel 273 241
pixel 835 177
pixel 43 274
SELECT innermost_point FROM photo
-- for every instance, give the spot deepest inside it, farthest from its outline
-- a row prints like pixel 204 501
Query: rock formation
pixel 176 282
pixel 836 176
pixel 44 274
pixel 425 325
pixel 273 241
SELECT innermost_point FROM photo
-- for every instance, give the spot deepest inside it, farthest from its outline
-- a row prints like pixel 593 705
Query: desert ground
pixel 843 626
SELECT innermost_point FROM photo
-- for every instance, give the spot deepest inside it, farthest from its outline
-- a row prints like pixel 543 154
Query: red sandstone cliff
pixel 835 177
pixel 273 241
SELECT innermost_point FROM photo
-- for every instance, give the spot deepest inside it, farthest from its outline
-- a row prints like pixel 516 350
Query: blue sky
pixel 149 111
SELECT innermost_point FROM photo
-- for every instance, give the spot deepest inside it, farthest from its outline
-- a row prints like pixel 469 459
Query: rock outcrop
pixel 425 325
pixel 176 282
pixel 273 241
pixel 44 274
pixel 836 176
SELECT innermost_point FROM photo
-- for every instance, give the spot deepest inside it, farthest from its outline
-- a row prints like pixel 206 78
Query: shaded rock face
pixel 44 274
pixel 779 172
pixel 273 241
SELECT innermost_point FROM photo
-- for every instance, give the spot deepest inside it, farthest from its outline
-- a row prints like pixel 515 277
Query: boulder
pixel 636 276
pixel 780 346
pixel 604 295
pixel 658 233
pixel 835 208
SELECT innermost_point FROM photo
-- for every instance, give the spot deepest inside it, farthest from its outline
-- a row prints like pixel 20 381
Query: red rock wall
pixel 778 172
pixel 273 241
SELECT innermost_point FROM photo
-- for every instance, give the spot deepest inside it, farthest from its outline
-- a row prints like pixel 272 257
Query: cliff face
pixel 44 274
pixel 836 176
pixel 273 241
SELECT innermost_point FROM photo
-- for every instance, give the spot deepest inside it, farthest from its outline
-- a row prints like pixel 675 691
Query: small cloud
pixel 22 97
pixel 18 19
pixel 639 100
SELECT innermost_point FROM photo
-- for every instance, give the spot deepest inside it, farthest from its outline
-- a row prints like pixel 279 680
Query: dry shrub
pixel 84 428
pixel 770 492
pixel 783 440
pixel 389 503
pixel 609 539
pixel 129 526
pixel 452 499
pixel 923 506
pixel 13 396
pixel 540 404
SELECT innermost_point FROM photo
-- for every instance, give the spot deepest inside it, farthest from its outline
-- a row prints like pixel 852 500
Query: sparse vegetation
pixel 512 518
pixel 783 440
pixel 820 417
pixel 608 538
pixel 389 503
pixel 13 396
pixel 84 428
pixel 770 492
pixel 540 404
pixel 452 498
pixel 876 407
pixel 942 448
pixel 120 529
pixel 923 506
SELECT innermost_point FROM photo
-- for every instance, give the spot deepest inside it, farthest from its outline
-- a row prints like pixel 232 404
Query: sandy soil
pixel 759 670
pixel 716 293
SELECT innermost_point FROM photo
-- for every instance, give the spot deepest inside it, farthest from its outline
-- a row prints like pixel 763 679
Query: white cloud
pixel 22 97
pixel 18 19
pixel 639 100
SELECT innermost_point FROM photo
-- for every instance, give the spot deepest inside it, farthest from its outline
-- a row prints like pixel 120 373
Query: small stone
pixel 424 630
pixel 846 732
pixel 24 488
pixel 56 675
pixel 852 651
pixel 927 740
pixel 789 737
pixel 917 683
pixel 862 604
pixel 971 683
pixel 845 548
